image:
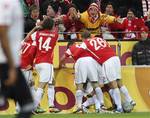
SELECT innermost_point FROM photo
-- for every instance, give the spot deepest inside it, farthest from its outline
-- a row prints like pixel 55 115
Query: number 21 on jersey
pixel 44 44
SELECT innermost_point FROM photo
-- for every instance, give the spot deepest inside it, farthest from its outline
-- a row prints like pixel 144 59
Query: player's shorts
pixel 86 67
pixel 111 69
pixel 28 75
pixel 45 72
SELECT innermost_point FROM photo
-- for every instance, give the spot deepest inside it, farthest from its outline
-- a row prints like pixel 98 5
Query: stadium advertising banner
pixel 135 78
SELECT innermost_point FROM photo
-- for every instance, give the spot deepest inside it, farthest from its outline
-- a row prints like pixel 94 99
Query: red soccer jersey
pixel 45 43
pixel 99 49
pixel 28 50
pixel 72 52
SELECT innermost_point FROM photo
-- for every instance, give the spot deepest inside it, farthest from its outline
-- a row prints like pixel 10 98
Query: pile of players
pixel 96 64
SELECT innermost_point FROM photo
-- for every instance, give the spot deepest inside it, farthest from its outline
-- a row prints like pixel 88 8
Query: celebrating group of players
pixel 96 64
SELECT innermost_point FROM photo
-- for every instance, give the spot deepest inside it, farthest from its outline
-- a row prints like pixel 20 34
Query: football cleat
pixel 133 103
pixel 118 111
pixel 77 110
pixel 38 110
pixel 53 109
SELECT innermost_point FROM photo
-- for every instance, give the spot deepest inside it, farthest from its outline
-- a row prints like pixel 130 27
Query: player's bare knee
pixel 42 85
pixel 95 84
pixel 119 83
pixel 113 84
pixel 79 86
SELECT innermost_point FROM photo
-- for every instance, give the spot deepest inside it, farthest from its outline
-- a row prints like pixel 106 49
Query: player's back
pixel 75 55
pixel 45 41
pixel 100 48
pixel 28 51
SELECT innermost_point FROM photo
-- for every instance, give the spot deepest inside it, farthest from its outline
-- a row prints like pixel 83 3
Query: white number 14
pixel 44 45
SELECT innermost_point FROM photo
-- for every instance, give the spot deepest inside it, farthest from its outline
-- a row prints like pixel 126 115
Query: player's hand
pixel 12 77
pixel 119 20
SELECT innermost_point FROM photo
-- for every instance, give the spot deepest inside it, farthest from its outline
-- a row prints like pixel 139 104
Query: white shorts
pixel 45 71
pixel 111 69
pixel 28 75
pixel 86 68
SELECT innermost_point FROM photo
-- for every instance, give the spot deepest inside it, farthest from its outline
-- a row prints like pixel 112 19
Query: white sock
pixel 88 102
pixel 38 96
pixel 51 95
pixel 117 98
pixel 111 93
pixel 125 92
pixel 79 96
pixel 99 95
pixel 33 91
pixel 97 103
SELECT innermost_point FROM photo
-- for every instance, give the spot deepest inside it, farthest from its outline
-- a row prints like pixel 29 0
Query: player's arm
pixel 64 57
pixel 32 31
pixel 62 61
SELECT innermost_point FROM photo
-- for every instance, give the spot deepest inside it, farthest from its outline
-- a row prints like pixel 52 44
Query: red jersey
pixel 72 52
pixel 99 49
pixel 28 51
pixel 45 43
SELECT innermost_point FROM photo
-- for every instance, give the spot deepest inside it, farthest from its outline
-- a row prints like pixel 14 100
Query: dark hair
pixel 86 34
pixel 54 5
pixel 112 4
pixel 72 5
pixel 48 23
pixel 132 10
pixel 70 43
pixel 33 7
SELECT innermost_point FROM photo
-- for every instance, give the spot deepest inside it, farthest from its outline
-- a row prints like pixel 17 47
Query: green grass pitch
pixel 126 115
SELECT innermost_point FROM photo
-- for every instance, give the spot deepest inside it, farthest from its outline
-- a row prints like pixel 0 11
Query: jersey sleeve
pixel 5 13
pixel 108 19
pixel 33 36
pixel 68 53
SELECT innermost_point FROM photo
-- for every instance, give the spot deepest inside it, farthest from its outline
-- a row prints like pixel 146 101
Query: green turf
pixel 127 115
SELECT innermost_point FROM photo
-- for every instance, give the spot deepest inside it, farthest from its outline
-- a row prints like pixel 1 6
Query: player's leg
pixel 80 78
pixel 124 91
pixel 91 100
pixel 19 92
pixel 109 70
pixel 28 76
pixel 44 72
pixel 51 97
pixel 93 76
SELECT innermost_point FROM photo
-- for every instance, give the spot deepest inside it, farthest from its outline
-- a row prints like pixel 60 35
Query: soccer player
pixel 101 51
pixel 85 70
pixel 12 82
pixel 28 51
pixel 45 41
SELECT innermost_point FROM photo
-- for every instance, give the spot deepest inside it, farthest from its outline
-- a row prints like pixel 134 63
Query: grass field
pixel 127 115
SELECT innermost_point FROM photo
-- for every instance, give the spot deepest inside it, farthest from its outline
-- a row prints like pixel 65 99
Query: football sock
pixel 79 96
pixel 88 102
pixel 125 92
pixel 51 95
pixel 38 96
pixel 99 95
pixel 97 103
pixel 117 98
